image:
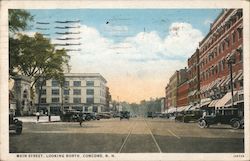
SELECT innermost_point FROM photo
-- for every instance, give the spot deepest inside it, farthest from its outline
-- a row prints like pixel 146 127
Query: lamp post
pixel 230 63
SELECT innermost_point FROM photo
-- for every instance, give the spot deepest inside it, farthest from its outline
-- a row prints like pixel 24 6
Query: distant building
pixel 171 91
pixel 81 91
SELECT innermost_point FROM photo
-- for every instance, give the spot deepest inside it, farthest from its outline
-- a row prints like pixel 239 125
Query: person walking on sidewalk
pixel 80 117
pixel 37 116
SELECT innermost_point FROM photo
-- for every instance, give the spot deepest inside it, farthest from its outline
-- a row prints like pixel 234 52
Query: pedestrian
pixel 80 117
pixel 37 116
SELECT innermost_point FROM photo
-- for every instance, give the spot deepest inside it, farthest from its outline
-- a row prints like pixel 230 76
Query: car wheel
pixel 18 131
pixel 202 124
pixel 236 124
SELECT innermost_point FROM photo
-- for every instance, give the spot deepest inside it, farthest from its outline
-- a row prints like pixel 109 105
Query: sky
pixel 136 50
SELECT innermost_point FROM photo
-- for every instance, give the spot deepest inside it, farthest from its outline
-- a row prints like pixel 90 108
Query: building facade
pixel 193 79
pixel 81 91
pixel 222 44
pixel 182 94
pixel 171 90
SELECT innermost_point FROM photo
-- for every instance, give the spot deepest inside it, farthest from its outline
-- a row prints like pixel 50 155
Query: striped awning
pixel 239 74
pixel 222 102
pixel 205 102
pixel 212 103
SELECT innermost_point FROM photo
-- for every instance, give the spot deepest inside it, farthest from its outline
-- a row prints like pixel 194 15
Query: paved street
pixel 133 136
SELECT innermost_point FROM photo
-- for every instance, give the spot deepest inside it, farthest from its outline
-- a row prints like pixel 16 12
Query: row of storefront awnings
pixel 220 82
pixel 225 101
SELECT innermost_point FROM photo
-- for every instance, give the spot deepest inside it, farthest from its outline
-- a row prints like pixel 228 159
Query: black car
pixel 72 116
pixel 124 115
pixel 150 114
pixel 15 124
pixel 192 116
pixel 233 120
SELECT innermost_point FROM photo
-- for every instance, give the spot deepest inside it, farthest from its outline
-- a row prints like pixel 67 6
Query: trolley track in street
pixel 130 133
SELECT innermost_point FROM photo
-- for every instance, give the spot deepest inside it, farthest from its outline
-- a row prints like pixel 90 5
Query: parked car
pixel 103 115
pixel 192 116
pixel 233 120
pixel 124 115
pixel 150 114
pixel 15 124
pixel 72 116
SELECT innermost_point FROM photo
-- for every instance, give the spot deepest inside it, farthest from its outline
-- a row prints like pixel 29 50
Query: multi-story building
pixel 182 94
pixel 193 79
pixel 81 91
pixel 179 77
pixel 222 44
pixel 167 97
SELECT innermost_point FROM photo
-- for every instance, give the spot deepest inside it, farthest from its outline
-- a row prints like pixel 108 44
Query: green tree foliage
pixel 18 20
pixel 36 57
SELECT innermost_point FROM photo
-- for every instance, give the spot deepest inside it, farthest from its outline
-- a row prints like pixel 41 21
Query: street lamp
pixel 230 63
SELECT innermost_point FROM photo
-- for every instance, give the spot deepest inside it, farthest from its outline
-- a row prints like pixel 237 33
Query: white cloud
pixel 136 68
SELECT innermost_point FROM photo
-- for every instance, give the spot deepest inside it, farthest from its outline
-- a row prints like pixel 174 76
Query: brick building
pixel 193 79
pixel 222 43
pixel 171 90
pixel 182 94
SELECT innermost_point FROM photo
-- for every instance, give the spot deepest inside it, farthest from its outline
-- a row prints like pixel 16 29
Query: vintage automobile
pixel 15 124
pixel 124 115
pixel 72 116
pixel 192 116
pixel 233 120
pixel 150 115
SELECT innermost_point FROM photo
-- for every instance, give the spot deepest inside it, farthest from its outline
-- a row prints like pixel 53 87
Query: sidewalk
pixel 42 119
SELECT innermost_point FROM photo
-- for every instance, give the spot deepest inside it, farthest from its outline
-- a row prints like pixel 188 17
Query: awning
pixel 192 93
pixel 222 102
pixel 238 75
pixel 183 108
pixel 205 102
pixel 224 82
pixel 221 81
pixel 228 80
pixel 212 103
pixel 171 110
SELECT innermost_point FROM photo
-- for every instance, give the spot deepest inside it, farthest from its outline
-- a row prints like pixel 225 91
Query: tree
pixel 38 59
pixel 18 20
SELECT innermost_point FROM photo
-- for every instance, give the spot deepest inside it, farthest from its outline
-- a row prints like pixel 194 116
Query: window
pixel 241 83
pixel 43 100
pixel 76 92
pixel 55 100
pixel 90 83
pixel 25 93
pixel 66 84
pixel 55 83
pixel 240 33
pixel 55 91
pixel 43 92
pixel 66 92
pixel 77 83
pixel 90 91
pixel 90 100
pixel 66 99
pixel 233 37
pixel 76 100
